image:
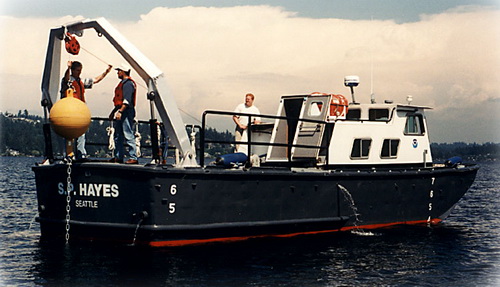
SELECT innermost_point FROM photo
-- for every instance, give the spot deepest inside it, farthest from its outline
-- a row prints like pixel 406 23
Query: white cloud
pixel 213 56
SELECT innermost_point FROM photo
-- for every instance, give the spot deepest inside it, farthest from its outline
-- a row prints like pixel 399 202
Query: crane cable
pixel 138 83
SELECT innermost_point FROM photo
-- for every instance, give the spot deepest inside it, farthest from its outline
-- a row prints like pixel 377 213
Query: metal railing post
pixel 155 149
pixel 249 138
pixel 202 139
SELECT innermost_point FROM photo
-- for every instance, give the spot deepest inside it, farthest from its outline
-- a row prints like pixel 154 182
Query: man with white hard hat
pixel 124 113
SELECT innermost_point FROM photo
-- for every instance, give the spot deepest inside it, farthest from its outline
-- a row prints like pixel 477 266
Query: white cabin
pixel 367 135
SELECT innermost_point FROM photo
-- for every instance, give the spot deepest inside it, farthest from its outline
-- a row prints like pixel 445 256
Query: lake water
pixel 463 251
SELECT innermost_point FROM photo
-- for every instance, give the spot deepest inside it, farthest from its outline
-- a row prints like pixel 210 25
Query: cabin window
pixel 378 114
pixel 354 114
pixel 390 148
pixel 315 109
pixel 414 124
pixel 361 148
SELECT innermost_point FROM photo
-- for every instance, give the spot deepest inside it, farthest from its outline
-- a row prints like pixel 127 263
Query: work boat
pixel 319 165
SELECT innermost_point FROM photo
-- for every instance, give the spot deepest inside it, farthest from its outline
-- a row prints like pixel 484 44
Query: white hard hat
pixel 123 67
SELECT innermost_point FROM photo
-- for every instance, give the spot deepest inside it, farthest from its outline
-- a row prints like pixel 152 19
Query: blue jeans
pixel 124 132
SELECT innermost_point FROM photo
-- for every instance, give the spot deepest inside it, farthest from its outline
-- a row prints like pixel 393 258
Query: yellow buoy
pixel 70 117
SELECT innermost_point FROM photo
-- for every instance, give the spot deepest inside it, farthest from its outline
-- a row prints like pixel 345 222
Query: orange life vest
pixel 79 90
pixel 118 99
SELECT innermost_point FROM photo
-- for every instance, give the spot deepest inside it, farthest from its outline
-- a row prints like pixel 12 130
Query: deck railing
pixel 249 142
pixel 156 152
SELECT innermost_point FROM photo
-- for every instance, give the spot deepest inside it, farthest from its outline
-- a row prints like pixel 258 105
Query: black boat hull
pixel 166 206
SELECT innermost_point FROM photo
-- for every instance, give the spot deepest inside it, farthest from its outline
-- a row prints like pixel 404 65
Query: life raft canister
pixel 72 45
pixel 338 105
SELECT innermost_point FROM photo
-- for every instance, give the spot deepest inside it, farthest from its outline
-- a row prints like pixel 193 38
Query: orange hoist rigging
pixel 72 45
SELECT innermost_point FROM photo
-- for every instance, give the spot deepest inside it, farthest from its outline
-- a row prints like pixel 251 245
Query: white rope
pixel 92 54
pixel 111 135
pixel 158 130
pixel 138 138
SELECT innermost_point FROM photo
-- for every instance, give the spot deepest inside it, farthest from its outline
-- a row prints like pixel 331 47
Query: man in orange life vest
pixel 72 80
pixel 124 113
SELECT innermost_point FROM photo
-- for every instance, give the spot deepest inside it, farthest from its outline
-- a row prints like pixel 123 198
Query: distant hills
pixel 21 134
pixel 469 152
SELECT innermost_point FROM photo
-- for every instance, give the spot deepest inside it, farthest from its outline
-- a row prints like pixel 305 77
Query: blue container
pixel 231 159
pixel 453 161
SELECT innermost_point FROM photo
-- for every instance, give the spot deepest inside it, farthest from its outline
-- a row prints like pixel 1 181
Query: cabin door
pixel 311 133
pixel 284 129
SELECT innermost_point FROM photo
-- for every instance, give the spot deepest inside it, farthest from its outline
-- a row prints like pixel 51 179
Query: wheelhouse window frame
pixel 361 148
pixel 390 148
pixel 379 114
pixel 414 125
pixel 353 114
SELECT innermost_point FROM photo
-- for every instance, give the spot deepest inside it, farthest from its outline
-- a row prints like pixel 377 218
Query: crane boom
pixel 147 70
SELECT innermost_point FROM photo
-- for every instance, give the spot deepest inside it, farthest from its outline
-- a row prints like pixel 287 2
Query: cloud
pixel 213 56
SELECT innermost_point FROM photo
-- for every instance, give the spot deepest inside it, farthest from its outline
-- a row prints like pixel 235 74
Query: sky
pixel 443 53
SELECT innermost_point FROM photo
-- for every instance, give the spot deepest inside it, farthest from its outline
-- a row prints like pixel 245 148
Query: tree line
pixel 470 152
pixel 22 134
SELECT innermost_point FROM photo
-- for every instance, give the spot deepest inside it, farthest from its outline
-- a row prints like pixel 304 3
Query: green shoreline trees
pixel 21 134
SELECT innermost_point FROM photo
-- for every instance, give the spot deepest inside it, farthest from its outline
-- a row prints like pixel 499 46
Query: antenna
pixel 372 95
pixel 351 82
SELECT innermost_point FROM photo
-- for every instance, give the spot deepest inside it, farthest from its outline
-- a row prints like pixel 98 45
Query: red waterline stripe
pixel 375 226
pixel 176 243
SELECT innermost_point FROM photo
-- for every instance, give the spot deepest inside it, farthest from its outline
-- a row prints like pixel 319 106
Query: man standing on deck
pixel 242 121
pixel 124 113
pixel 72 81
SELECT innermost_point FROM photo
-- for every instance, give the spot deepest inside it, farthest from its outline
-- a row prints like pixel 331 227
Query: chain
pixel 68 199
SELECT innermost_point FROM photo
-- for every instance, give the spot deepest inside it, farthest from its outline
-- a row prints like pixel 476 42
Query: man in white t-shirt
pixel 241 121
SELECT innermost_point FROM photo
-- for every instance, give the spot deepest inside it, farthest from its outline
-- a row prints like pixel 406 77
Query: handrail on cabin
pixel 249 143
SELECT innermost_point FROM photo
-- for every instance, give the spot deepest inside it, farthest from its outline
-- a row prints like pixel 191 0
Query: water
pixel 352 205
pixel 464 251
